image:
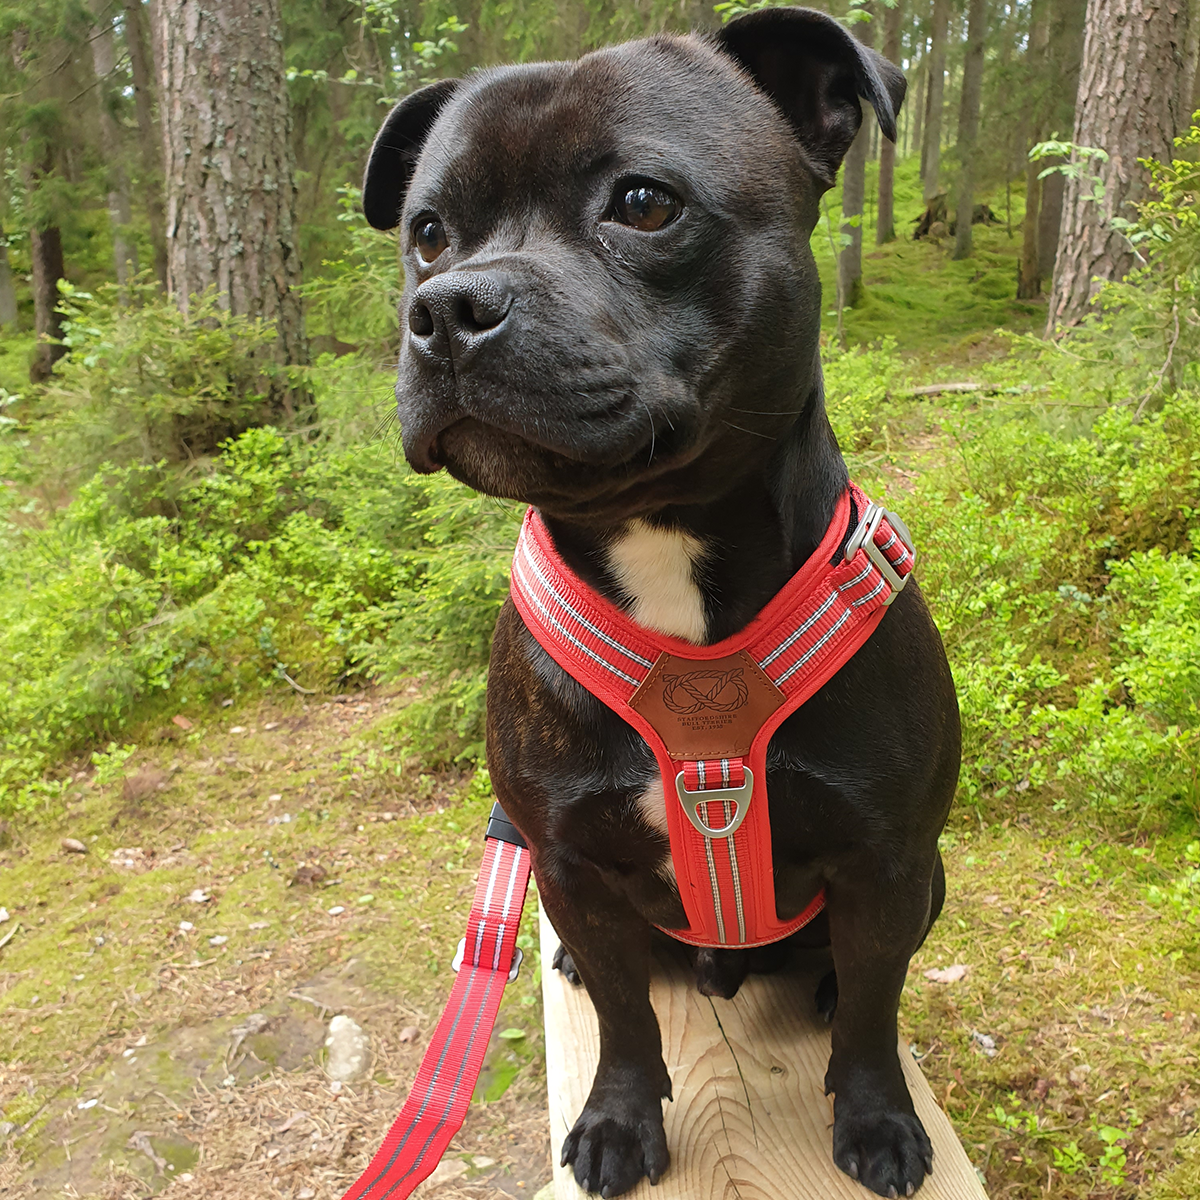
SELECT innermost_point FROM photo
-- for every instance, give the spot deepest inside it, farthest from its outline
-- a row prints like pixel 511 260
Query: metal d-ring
pixel 692 801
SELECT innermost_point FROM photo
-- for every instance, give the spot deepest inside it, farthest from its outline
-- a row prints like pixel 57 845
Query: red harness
pixel 708 713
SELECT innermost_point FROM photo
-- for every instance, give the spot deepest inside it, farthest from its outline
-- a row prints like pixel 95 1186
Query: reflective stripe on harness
pixel 672 692
pixel 708 712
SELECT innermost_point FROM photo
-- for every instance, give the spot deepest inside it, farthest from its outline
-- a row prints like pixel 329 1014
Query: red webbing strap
pixel 437 1105
pixel 811 628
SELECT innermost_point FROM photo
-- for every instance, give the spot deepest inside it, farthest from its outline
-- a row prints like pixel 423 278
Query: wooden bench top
pixel 750 1120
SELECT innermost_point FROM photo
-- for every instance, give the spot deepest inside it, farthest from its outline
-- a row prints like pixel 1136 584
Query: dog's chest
pixel 656 569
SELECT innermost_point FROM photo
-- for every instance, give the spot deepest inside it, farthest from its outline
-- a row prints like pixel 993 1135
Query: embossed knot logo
pixel 717 691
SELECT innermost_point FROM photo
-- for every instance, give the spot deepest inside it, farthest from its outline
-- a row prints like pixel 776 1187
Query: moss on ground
pixel 1083 982
pixel 943 311
pixel 326 871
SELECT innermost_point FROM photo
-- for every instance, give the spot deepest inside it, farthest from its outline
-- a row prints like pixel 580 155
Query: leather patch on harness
pixel 706 708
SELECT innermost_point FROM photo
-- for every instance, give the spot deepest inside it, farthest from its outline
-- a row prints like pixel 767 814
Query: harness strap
pixel 708 712
pixel 437 1104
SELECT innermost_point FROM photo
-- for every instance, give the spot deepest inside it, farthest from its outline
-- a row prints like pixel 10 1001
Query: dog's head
pixel 610 303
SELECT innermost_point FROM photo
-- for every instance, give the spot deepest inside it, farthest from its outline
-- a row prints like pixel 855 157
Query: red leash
pixel 437 1105
pixel 708 712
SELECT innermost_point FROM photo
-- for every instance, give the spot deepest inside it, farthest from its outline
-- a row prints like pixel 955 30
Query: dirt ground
pixel 180 1048
pixel 235 878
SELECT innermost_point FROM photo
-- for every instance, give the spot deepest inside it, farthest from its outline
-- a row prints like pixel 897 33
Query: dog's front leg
pixel 619 1135
pixel 877 920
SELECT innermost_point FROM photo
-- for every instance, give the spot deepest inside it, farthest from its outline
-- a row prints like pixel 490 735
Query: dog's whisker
pixel 755 432
pixel 650 418
pixel 756 412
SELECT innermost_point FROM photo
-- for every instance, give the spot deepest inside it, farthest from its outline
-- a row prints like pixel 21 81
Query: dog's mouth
pixel 608 436
pixel 602 481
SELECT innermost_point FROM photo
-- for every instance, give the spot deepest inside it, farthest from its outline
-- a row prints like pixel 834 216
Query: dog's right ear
pixel 395 150
pixel 815 70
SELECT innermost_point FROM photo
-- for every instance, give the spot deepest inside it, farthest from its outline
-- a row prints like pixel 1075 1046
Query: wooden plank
pixel 752 1127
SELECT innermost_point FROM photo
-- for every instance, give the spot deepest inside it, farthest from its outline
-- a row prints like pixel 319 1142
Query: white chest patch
pixel 655 568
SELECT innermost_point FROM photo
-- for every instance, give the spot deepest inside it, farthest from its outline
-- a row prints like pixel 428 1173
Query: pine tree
pixel 228 168
pixel 1128 106
pixel 885 225
pixel 968 125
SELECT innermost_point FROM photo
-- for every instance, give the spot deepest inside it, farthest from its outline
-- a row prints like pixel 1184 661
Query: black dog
pixel 612 313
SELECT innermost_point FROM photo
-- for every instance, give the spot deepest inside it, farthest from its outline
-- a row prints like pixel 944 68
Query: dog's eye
pixel 646 206
pixel 429 236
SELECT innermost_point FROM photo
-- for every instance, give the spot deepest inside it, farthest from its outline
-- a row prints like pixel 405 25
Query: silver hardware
pixel 863 538
pixel 461 953
pixel 692 801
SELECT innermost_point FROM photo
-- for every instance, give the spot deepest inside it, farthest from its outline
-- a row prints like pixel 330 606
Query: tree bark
pixel 918 107
pixel 1050 219
pixel 935 95
pixel 149 139
pixel 1187 79
pixel 120 210
pixel 228 165
pixel 854 187
pixel 885 223
pixel 1029 271
pixel 46 255
pixel 1128 105
pixel 8 296
pixel 968 125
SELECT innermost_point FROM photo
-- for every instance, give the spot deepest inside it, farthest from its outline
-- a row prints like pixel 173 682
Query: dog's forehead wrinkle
pixel 513 127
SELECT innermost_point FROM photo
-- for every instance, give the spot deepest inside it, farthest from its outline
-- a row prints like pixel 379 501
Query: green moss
pixel 1182 1181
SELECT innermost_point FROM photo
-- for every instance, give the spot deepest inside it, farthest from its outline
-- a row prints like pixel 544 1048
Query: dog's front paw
pixel 885 1150
pixel 566 964
pixel 618 1138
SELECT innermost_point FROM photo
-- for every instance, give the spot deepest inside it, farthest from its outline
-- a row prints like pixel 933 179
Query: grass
pixel 1084 983
pixel 1066 1050
pixel 104 964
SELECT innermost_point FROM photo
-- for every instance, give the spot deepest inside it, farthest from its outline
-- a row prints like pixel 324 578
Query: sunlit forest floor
pixel 270 857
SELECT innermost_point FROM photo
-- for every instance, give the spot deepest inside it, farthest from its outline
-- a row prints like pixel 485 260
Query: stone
pixel 446 1170
pixel 348 1050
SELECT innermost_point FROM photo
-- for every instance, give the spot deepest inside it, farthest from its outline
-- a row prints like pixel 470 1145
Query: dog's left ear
pixel 815 70
pixel 395 150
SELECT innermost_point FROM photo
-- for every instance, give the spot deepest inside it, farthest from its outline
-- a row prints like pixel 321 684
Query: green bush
pixel 144 383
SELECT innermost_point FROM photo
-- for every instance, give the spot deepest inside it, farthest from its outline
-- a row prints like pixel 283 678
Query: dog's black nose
pixel 455 314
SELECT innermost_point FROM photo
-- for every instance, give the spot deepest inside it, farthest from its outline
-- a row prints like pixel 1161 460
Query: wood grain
pixel 750 1120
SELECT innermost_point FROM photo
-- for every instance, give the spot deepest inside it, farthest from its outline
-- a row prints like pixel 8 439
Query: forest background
pixel 212 553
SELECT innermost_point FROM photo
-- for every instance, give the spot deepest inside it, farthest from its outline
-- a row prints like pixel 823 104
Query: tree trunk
pixel 120 211
pixel 1187 79
pixel 148 133
pixel 854 187
pixel 885 224
pixel 918 107
pixel 46 255
pixel 228 166
pixel 935 95
pixel 1127 105
pixel 1050 219
pixel 8 296
pixel 968 125
pixel 1029 271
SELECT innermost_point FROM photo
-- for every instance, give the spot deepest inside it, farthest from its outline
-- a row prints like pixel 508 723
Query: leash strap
pixel 708 712
pixel 487 959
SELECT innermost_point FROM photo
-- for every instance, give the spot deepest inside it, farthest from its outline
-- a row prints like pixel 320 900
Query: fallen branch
pixel 943 389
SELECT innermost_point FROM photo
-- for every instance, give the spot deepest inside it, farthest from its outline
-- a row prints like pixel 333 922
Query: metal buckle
pixel 863 538
pixel 460 954
pixel 691 802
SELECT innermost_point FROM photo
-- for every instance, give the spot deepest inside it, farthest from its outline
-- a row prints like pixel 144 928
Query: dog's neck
pixel 703 572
